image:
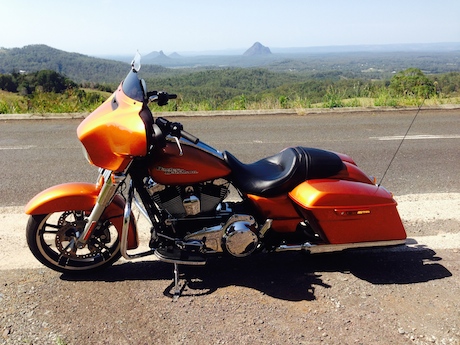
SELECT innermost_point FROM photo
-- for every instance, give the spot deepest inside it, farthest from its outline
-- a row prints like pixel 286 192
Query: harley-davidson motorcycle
pixel 300 199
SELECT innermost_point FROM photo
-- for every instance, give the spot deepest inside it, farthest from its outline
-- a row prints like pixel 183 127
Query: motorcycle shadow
pixel 290 276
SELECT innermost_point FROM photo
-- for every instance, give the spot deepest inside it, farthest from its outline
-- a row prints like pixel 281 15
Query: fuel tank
pixel 193 166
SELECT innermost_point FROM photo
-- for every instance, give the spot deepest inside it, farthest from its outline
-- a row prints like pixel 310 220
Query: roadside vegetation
pixel 48 91
pixel 260 89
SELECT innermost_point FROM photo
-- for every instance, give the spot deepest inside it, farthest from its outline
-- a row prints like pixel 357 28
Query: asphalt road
pixel 405 295
pixel 36 154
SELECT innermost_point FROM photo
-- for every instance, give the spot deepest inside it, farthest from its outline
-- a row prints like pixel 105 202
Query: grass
pixel 60 341
pixel 72 101
pixel 86 100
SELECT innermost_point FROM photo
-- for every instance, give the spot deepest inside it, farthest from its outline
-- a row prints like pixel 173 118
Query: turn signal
pixel 352 212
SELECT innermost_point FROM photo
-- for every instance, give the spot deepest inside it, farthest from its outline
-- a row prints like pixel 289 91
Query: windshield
pixel 132 86
pixel 136 63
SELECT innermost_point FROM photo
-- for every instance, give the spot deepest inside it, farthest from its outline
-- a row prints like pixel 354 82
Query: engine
pixel 215 224
pixel 190 200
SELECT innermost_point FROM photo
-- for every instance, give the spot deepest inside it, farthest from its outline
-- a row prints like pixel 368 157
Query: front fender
pixel 82 197
pixel 63 197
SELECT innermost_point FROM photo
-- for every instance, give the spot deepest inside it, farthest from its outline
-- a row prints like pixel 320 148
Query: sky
pixel 109 27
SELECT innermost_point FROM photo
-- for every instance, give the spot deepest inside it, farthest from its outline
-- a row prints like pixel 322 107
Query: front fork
pixel 110 182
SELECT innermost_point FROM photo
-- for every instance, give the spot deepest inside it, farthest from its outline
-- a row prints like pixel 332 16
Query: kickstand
pixel 177 288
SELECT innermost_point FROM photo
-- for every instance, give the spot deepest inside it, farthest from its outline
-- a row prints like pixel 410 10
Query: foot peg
pixel 177 256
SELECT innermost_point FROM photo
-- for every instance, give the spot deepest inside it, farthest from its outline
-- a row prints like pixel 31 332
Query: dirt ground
pixel 401 295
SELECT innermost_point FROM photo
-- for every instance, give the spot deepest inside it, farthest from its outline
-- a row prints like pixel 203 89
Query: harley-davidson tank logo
pixel 176 171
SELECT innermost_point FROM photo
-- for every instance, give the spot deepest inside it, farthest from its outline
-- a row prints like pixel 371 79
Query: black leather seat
pixel 280 173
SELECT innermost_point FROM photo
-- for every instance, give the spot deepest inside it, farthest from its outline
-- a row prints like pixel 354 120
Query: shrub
pixel 412 83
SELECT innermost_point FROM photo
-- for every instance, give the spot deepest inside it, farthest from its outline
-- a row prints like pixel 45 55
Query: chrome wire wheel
pixel 52 239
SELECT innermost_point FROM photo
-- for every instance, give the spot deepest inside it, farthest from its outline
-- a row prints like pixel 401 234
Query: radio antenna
pixel 402 140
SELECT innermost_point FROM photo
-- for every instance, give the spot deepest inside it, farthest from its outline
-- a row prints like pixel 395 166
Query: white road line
pixel 24 147
pixel 415 208
pixel 417 137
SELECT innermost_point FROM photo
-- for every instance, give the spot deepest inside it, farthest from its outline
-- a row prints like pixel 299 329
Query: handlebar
pixel 160 97
pixel 175 129
pixel 172 128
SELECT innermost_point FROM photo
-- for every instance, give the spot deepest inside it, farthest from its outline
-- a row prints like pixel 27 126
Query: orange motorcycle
pixel 300 199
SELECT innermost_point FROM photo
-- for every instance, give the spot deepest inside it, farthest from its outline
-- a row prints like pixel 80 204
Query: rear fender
pixel 81 196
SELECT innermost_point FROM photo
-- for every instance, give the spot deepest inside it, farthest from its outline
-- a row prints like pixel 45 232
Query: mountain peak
pixel 257 49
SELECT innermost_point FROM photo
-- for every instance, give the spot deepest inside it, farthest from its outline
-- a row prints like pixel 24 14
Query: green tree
pixel 412 82
pixel 7 83
pixel 51 81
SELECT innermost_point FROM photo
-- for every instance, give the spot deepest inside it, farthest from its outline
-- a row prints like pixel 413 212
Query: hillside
pixel 257 49
pixel 80 68
pixel 364 64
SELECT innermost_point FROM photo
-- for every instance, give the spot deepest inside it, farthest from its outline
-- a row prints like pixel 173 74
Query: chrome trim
pixel 192 205
pixel 118 178
pixel 240 240
pixel 108 189
pixel 203 147
pixel 265 228
pixel 213 236
pixel 153 187
pixel 181 153
pixel 142 210
pixel 125 228
pixel 104 198
pixel 329 248
pixel 179 262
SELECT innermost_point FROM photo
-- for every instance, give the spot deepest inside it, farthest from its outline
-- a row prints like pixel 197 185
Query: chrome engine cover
pixel 239 239
pixel 237 236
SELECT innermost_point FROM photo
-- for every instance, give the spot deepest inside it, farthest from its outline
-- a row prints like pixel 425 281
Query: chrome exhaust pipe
pixel 329 248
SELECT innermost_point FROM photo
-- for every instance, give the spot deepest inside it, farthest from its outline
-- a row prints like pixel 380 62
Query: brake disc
pixel 68 234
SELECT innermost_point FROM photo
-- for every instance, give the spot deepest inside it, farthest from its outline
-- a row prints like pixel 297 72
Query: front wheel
pixel 52 239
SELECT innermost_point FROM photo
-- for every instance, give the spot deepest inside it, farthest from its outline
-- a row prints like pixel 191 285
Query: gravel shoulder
pixel 369 297
pixel 402 295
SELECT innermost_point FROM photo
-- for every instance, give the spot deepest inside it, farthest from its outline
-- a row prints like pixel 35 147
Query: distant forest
pixel 367 65
pixel 328 80
pixel 237 88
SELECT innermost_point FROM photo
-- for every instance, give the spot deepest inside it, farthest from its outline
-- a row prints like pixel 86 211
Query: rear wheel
pixel 52 238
